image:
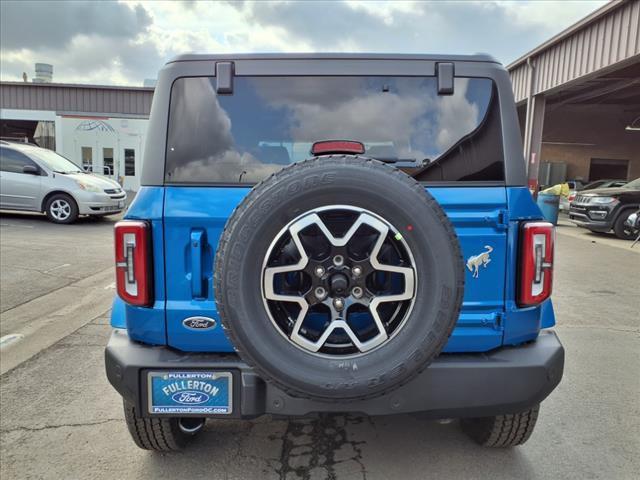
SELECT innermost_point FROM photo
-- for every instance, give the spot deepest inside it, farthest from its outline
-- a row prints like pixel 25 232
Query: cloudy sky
pixel 126 42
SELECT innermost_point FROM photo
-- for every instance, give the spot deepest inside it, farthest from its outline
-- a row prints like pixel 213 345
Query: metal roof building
pixel 101 128
pixel 71 98
pixel 579 95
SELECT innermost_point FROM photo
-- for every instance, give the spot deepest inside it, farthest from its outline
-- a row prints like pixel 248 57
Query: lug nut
pixel 320 293
pixel 356 292
pixel 357 271
pixel 319 271
pixel 338 303
pixel 338 260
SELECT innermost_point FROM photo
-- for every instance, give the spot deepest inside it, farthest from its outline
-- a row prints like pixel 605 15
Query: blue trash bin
pixel 550 206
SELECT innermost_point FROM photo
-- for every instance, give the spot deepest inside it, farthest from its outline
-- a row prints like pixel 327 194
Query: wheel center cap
pixel 339 284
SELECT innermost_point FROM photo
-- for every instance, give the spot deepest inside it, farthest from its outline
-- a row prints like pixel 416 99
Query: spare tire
pixel 338 278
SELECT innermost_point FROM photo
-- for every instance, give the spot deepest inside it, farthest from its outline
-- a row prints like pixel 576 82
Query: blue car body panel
pixel 118 313
pixel 187 223
pixel 147 325
pixel 189 210
pixel 476 214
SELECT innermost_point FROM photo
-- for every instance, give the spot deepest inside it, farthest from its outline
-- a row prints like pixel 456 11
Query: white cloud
pixel 207 27
pixel 108 42
pixel 386 10
pixel 550 16
pixel 456 116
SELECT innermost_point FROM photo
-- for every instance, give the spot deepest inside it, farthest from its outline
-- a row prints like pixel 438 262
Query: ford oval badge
pixel 190 397
pixel 199 323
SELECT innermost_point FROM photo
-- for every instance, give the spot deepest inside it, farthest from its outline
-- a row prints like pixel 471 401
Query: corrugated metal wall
pixel 76 98
pixel 609 39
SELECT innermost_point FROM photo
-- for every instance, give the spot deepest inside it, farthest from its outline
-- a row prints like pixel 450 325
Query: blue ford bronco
pixel 333 233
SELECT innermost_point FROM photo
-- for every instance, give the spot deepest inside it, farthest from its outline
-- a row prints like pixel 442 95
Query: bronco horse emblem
pixel 476 261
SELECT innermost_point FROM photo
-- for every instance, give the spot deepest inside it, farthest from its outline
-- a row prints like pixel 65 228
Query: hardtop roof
pixel 191 57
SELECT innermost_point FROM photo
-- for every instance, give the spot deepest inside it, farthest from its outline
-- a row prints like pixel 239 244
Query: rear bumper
pixel 507 380
pixel 590 224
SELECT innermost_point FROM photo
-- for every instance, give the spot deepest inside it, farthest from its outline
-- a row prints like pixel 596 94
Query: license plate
pixel 190 393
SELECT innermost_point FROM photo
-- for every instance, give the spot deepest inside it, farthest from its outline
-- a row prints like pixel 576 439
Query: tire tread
pixel 502 431
pixel 148 433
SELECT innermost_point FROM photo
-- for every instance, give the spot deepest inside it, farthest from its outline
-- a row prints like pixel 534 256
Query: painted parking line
pixel 14 225
pixel 9 339
pixel 56 268
pixel 51 317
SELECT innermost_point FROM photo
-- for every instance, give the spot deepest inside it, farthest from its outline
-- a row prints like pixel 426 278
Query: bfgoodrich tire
pixel 407 229
pixel 160 434
pixel 502 431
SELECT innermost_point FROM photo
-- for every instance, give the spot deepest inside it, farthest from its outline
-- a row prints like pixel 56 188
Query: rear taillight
pixel 536 262
pixel 133 262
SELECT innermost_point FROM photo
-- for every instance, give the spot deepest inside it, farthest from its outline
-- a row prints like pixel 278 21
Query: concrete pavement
pixel 59 418
pixel 566 227
pixel 52 286
pixel 39 257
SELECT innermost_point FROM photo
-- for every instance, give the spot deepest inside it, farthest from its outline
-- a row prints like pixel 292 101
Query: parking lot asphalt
pixel 39 257
pixel 54 279
pixel 59 418
pixel 566 227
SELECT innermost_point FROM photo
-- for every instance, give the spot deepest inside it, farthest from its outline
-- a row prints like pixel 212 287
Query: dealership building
pixel 578 98
pixel 102 128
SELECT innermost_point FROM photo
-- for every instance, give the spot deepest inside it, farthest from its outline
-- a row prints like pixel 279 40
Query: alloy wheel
pixel 60 209
pixel 339 281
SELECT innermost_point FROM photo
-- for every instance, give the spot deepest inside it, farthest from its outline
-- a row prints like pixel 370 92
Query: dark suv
pixel 606 209
pixel 333 233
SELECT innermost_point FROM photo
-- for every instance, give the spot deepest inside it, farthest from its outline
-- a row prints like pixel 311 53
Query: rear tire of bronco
pixel 160 434
pixel 502 431
pixel 339 278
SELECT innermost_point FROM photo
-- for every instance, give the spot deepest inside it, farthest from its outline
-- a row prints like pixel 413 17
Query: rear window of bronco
pixel 270 122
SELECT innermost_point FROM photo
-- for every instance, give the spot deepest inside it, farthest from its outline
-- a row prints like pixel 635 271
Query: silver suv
pixel 39 180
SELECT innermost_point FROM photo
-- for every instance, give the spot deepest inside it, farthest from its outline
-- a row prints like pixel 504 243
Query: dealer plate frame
pixel 217 373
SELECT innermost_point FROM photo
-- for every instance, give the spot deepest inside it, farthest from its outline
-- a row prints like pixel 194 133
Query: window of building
pixel 129 162
pixel 608 169
pixel 87 158
pixel 107 161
